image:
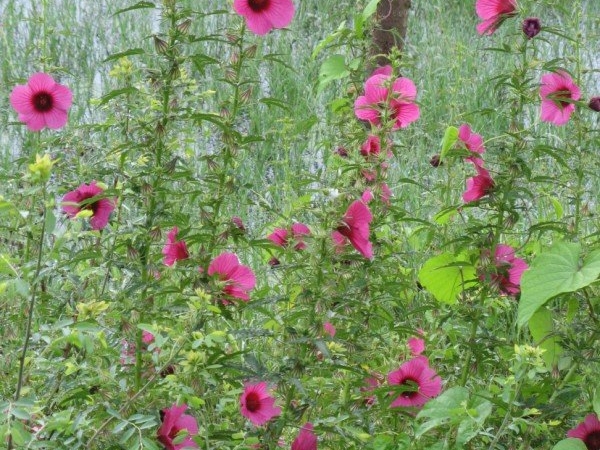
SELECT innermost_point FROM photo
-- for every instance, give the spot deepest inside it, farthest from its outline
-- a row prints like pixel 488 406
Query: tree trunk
pixel 390 29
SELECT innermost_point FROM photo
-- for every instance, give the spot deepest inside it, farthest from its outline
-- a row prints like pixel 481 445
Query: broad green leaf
pixel 570 444
pixel 446 408
pixel 558 270
pixel 541 327
pixel 445 276
pixel 370 9
pixel 450 137
pixel 333 68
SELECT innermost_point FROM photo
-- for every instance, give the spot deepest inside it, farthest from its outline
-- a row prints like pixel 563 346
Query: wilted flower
pixel 493 13
pixel 355 228
pixel 480 185
pixel 531 27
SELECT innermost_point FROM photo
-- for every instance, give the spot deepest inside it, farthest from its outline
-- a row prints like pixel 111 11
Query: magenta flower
pixel 236 279
pixel 174 250
pixel 420 380
pixel 281 236
pixel 588 431
pixel 416 346
pixel 355 228
pixel 480 185
pixel 177 427
pixel 371 147
pixel 257 405
pixel 84 198
pixel 381 95
pixel 264 15
pixel 42 102
pixel 493 13
pixel 472 142
pixel 147 337
pixel 558 91
pixel 329 329
pixel 509 269
pixel 306 439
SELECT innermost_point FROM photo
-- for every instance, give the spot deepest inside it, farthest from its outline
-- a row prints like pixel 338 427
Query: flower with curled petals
pixel 236 279
pixel 493 13
pixel 174 250
pixel 42 102
pixel 355 228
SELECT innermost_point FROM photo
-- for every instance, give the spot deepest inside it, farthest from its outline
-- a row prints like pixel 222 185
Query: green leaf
pixel 446 408
pixel 445 276
pixel 333 68
pixel 131 51
pixel 370 9
pixel 116 93
pixel 558 270
pixel 596 401
pixel 541 326
pixel 570 444
pixel 450 138
pixel 138 5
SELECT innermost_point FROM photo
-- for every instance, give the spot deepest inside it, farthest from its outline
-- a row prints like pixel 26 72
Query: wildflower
pixel 147 337
pixel 478 186
pixel 42 102
pixel 420 380
pixel 177 427
pixel 435 161
pixel 174 250
pixel 306 439
pixel 531 27
pixel 257 405
pixel 416 346
pixel 280 236
pixel 588 431
pixel 493 13
pixel 594 104
pixel 558 91
pixel 509 269
pixel 329 329
pixel 237 279
pixel 383 70
pixel 472 142
pixel 398 99
pixel 371 147
pixel 355 228
pixel 78 201
pixel 264 15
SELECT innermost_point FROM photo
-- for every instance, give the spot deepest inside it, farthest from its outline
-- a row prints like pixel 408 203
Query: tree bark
pixel 390 29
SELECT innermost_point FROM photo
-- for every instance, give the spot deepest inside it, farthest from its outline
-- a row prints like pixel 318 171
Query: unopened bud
pixel 160 46
pixel 531 27
pixel 184 26
pixel 594 104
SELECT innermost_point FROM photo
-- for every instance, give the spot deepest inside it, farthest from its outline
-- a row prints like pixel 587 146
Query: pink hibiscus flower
pixel 588 431
pixel 329 329
pixel 264 15
pixel 177 427
pixel 420 380
pixel 174 250
pixel 355 228
pixel 42 102
pixel 557 92
pixel 493 13
pixel 472 142
pixel 236 279
pixel 257 405
pixel 306 439
pixel 416 346
pixel 281 236
pixel 509 269
pixel 480 185
pixel 383 97
pixel 80 199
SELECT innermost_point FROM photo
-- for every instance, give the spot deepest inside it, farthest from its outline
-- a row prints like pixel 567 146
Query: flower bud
pixel 41 168
pixel 594 104
pixel 531 27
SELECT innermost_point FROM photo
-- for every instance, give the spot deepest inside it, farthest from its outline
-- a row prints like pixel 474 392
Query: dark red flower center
pixel 592 440
pixel 259 5
pixel 412 388
pixel 93 206
pixel 558 96
pixel 252 402
pixel 42 101
pixel 173 432
pixel 344 230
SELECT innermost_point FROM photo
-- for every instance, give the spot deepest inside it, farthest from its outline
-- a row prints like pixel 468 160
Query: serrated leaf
pixel 559 270
pixel 445 276
pixel 570 444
